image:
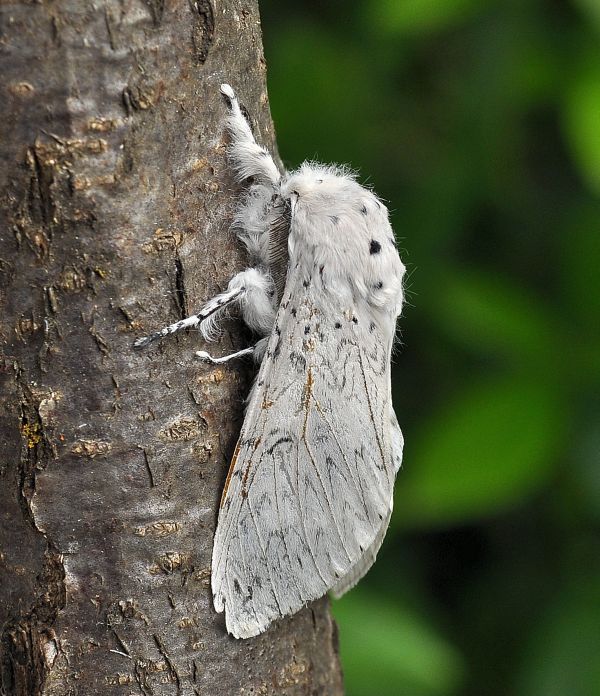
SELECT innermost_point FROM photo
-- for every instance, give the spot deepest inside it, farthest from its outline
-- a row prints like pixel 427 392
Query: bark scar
pixel 203 29
pixel 169 661
pixel 28 640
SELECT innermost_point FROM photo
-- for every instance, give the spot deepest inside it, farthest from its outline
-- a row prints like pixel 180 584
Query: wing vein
pixel 359 488
pixel 230 516
pixel 370 405
pixel 264 553
pixel 318 473
pixel 303 521
pixel 246 568
pixel 307 398
pixel 283 536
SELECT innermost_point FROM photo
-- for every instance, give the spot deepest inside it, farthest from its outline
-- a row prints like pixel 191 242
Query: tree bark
pixel 116 202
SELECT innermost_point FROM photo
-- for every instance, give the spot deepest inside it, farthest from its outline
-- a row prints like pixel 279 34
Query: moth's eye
pixel 319 181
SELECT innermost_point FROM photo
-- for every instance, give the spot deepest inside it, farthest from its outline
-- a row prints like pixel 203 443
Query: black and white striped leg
pixel 226 358
pixel 214 305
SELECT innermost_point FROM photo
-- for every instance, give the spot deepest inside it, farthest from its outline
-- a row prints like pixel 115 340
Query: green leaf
pixel 487 449
pixel 584 469
pixel 563 654
pixel 420 16
pixel 386 650
pixel 580 257
pixel 581 118
pixel 492 315
pixel 322 117
pixel 592 8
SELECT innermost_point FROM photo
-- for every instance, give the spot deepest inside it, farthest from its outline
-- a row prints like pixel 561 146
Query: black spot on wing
pixel 374 247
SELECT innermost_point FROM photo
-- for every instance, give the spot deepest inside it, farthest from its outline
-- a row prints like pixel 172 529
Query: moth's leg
pixel 203 355
pixel 248 157
pixel 232 294
pixel 258 310
pixel 258 303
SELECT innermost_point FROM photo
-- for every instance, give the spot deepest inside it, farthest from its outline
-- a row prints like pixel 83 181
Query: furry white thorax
pixel 335 225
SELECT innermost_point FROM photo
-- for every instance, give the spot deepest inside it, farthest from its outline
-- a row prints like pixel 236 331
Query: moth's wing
pixel 397 441
pixel 311 481
pixel 360 568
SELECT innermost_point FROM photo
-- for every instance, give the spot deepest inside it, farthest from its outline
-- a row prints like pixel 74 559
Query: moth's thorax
pixel 322 193
pixel 341 240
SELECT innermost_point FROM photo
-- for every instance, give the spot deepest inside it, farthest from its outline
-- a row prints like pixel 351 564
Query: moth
pixel 308 496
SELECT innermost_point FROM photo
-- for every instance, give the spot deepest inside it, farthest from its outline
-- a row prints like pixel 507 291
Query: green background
pixel 478 121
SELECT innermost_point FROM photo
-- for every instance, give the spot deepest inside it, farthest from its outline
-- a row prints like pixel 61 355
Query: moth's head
pixel 316 188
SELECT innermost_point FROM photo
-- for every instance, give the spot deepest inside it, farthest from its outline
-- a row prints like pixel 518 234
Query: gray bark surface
pixel 115 207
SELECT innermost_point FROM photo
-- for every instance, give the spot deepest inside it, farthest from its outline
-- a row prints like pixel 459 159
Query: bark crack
pixel 29 645
pixel 203 29
pixel 180 294
pixel 157 10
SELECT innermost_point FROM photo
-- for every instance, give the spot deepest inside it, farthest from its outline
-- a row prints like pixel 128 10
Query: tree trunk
pixel 116 202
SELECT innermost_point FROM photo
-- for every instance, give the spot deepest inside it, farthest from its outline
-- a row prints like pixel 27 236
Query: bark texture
pixel 116 202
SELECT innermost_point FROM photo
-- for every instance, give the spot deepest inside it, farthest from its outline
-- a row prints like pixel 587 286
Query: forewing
pixel 310 484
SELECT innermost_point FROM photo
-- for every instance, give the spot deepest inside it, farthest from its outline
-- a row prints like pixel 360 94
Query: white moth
pixel 308 496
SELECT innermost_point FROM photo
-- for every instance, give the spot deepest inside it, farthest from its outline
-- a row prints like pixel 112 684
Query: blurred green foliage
pixel 479 122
